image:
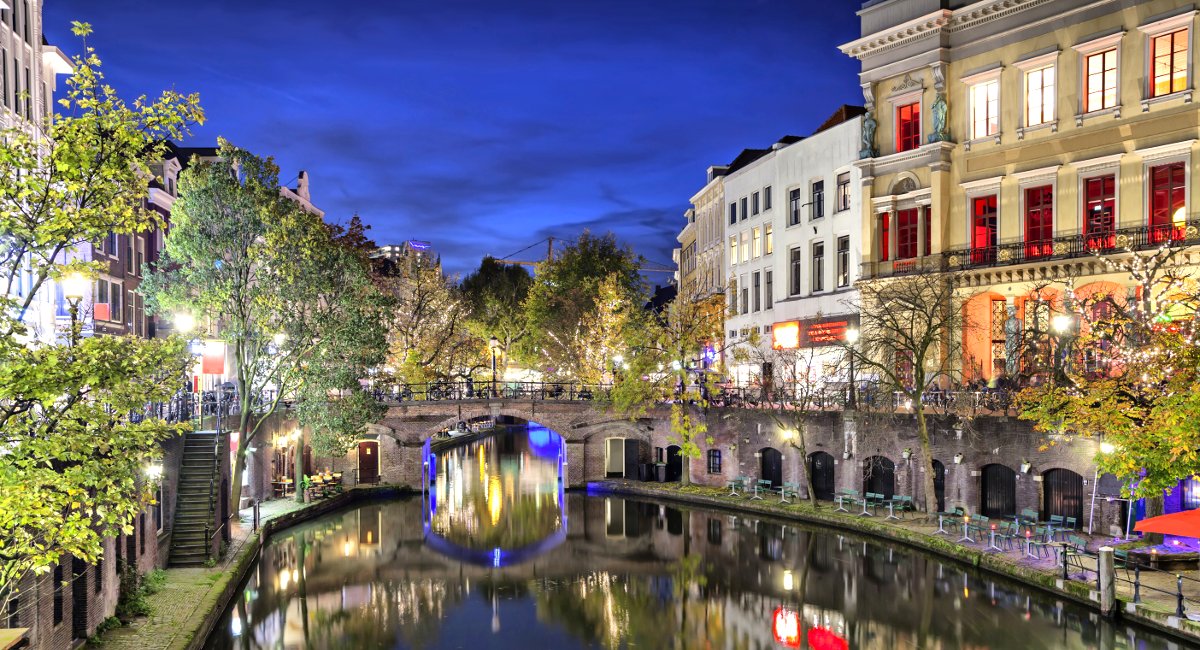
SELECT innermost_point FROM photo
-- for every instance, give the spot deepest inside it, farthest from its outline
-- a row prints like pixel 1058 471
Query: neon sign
pixel 811 333
pixel 785 625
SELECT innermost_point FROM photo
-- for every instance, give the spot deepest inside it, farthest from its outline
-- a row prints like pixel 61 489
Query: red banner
pixel 214 358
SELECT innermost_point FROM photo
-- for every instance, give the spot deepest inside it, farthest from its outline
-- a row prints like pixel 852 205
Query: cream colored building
pixel 1017 141
pixel 708 214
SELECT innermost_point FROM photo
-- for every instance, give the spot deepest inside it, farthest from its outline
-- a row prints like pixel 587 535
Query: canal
pixel 497 556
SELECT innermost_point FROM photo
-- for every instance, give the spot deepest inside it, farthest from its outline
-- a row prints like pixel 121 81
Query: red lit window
pixel 1039 221
pixel 1170 52
pixel 983 229
pixel 884 242
pixel 908 127
pixel 1099 208
pixel 1167 212
pixel 906 234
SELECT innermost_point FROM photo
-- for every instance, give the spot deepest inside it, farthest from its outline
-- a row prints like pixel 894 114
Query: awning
pixel 1183 524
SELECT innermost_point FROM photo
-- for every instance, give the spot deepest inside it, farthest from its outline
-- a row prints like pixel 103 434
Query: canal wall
pixel 1003 466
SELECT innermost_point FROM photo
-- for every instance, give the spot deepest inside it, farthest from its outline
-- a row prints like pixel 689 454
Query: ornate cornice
pixel 903 34
pixel 935 23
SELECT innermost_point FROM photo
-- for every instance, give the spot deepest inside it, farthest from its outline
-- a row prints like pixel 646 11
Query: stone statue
pixel 940 133
pixel 1012 335
pixel 868 137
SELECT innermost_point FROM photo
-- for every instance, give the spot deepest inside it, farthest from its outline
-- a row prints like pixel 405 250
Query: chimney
pixel 302 186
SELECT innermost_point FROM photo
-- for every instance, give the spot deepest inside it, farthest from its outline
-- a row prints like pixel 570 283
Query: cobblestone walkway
pixel 189 593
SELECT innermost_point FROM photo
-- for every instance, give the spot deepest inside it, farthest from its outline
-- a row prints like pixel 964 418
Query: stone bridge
pixel 583 425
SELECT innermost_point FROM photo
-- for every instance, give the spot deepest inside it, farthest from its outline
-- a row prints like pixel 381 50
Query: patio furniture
pixel 762 485
pixel 1036 543
pixel 734 485
pixel 904 502
pixel 845 496
pixel 788 490
pixel 869 499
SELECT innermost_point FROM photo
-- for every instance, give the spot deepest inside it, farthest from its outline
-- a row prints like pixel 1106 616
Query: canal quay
pixel 496 554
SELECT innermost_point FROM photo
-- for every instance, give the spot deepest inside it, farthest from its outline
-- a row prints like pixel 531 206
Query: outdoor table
pixel 864 513
pixel 841 502
pixel 966 526
pixel 941 528
pixel 1058 548
pixel 891 506
pixel 757 486
pixel 1029 547
pixel 734 485
pixel 992 539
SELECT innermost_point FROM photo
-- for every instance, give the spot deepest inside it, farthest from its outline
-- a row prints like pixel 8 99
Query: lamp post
pixel 851 339
pixel 74 287
pixel 494 345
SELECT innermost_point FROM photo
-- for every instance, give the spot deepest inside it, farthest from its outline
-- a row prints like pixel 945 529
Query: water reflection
pixel 498 500
pixel 628 574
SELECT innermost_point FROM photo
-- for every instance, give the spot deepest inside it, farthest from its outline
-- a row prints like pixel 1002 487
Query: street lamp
pixel 1061 323
pixel 184 322
pixel 851 339
pixel 494 346
pixel 74 287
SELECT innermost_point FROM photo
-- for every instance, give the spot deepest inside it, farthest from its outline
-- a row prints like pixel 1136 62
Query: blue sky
pixel 484 126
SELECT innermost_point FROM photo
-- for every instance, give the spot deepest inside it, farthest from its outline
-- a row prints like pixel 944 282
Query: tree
pixel 1130 372
pixel 910 342
pixel 666 364
pixel 429 335
pixel 565 298
pixel 75 439
pixel 265 271
pixel 798 390
pixel 495 293
pixel 337 316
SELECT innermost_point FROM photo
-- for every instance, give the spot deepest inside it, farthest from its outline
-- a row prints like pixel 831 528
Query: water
pixel 499 557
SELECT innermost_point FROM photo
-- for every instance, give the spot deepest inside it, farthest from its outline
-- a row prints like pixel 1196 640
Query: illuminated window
pixel 1100 202
pixel 1168 211
pixel 884 237
pixel 768 239
pixel 733 258
pixel 757 243
pixel 1039 96
pixel 1100 80
pixel 745 246
pixel 985 109
pixel 908 126
pixel 983 229
pixel 1039 221
pixel 1169 63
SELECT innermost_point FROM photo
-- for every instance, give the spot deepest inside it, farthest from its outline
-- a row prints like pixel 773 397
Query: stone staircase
pixel 192 511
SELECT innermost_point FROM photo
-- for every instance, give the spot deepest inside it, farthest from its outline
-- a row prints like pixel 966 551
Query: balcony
pixel 1064 247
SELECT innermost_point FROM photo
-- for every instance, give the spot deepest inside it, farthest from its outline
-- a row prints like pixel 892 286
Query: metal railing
pixel 833 396
pixel 1129 573
pixel 1102 242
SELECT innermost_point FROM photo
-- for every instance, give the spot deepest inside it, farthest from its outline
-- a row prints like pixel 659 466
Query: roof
pixel 185 154
pixel 845 113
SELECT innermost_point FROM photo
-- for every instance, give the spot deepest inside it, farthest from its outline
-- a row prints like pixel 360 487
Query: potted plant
pixel 907 453
pixel 305 483
pixel 958 458
pixel 1025 465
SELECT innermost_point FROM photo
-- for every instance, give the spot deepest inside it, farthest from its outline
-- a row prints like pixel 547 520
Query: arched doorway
pixel 1062 494
pixel 771 466
pixel 674 463
pixel 820 468
pixel 998 492
pixel 879 476
pixel 368 461
pixel 939 484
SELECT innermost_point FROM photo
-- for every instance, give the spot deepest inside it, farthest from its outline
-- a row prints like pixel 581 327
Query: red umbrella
pixel 1183 524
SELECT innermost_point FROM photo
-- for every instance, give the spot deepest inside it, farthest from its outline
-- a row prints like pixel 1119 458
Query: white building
pixel 708 214
pixel 29 69
pixel 793 231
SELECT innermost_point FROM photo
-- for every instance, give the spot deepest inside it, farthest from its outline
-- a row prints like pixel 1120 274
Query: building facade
pixel 1017 143
pixel 792 229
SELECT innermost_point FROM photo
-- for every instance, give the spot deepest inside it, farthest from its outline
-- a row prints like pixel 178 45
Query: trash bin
pixel 660 473
pixel 646 471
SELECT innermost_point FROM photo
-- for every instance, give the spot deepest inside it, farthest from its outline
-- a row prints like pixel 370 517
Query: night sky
pixel 484 126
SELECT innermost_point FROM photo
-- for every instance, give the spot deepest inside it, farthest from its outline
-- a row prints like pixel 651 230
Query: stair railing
pixel 212 480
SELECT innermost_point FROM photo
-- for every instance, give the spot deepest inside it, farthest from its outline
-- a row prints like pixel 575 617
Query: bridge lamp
pixel 494 346
pixel 1107 448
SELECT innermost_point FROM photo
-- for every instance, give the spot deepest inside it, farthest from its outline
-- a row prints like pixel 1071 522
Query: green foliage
pixel 1140 385
pixel 584 292
pixel 495 293
pixel 132 593
pixel 429 335
pixel 665 366
pixel 72 452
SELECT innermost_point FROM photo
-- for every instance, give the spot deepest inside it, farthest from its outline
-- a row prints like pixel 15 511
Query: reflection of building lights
pixel 284 579
pixel 296 575
pixel 495 496
pixel 785 626
pixel 346 549
pixel 235 626
pixel 787 580
pixel 369 536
